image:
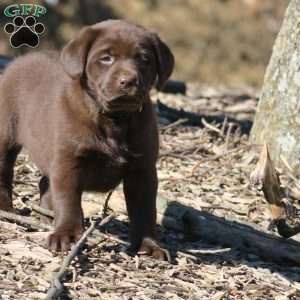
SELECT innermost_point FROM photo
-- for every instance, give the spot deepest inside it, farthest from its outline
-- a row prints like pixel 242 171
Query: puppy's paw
pixel 150 247
pixel 62 238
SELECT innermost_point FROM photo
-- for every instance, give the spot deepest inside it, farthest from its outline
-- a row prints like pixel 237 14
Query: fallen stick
pixel 57 287
pixel 24 220
pixel 205 226
pixel 242 236
pixel 265 177
pixel 41 210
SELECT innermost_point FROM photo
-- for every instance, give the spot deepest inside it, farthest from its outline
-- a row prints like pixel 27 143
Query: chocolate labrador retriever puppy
pixel 87 121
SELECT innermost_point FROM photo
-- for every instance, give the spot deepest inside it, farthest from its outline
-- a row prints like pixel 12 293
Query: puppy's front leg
pixel 66 201
pixel 140 189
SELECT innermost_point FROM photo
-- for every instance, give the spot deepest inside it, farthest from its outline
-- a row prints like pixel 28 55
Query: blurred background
pixel 216 42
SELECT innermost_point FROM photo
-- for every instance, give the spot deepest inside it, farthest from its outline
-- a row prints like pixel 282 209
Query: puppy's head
pixel 119 62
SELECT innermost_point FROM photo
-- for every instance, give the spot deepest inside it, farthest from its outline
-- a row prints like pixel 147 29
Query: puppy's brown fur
pixel 87 121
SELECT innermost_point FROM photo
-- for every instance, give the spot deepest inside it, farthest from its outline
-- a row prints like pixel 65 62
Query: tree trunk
pixel 277 120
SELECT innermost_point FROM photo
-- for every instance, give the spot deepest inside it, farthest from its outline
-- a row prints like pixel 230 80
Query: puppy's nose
pixel 126 82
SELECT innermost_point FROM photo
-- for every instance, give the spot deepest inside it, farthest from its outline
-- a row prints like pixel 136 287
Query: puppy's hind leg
pixel 45 198
pixel 8 156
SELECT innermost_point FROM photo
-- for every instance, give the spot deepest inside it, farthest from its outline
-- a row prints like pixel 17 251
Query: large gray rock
pixel 277 119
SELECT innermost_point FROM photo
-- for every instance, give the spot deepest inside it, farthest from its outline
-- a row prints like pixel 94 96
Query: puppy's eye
pixel 106 59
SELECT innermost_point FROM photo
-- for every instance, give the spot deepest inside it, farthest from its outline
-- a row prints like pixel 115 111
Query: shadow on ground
pixel 245 253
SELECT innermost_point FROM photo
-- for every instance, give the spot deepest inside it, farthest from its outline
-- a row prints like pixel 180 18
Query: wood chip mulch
pixel 204 167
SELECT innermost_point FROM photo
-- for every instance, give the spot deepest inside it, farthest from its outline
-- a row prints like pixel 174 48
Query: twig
pixel 173 152
pixel 187 255
pixel 110 237
pixel 57 287
pixel 211 127
pixel 290 171
pixel 50 213
pixel 24 220
pixel 39 209
pixel 192 253
pixel 208 251
pixel 286 164
pixel 229 130
pixel 224 126
pixel 174 124
pixel 105 207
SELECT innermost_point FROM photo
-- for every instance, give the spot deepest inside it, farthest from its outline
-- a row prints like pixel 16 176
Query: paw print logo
pixel 24 32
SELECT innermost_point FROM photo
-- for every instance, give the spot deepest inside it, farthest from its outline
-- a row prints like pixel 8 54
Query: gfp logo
pixel 24 30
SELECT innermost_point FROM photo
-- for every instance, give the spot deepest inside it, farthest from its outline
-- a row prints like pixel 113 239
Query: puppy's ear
pixel 165 61
pixel 74 54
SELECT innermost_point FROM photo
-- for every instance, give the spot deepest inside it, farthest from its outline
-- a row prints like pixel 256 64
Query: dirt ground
pixel 198 270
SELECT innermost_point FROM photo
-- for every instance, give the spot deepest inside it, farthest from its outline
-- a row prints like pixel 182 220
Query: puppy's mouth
pixel 125 104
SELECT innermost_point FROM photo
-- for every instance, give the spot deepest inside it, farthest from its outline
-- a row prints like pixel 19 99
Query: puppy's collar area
pixel 119 116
